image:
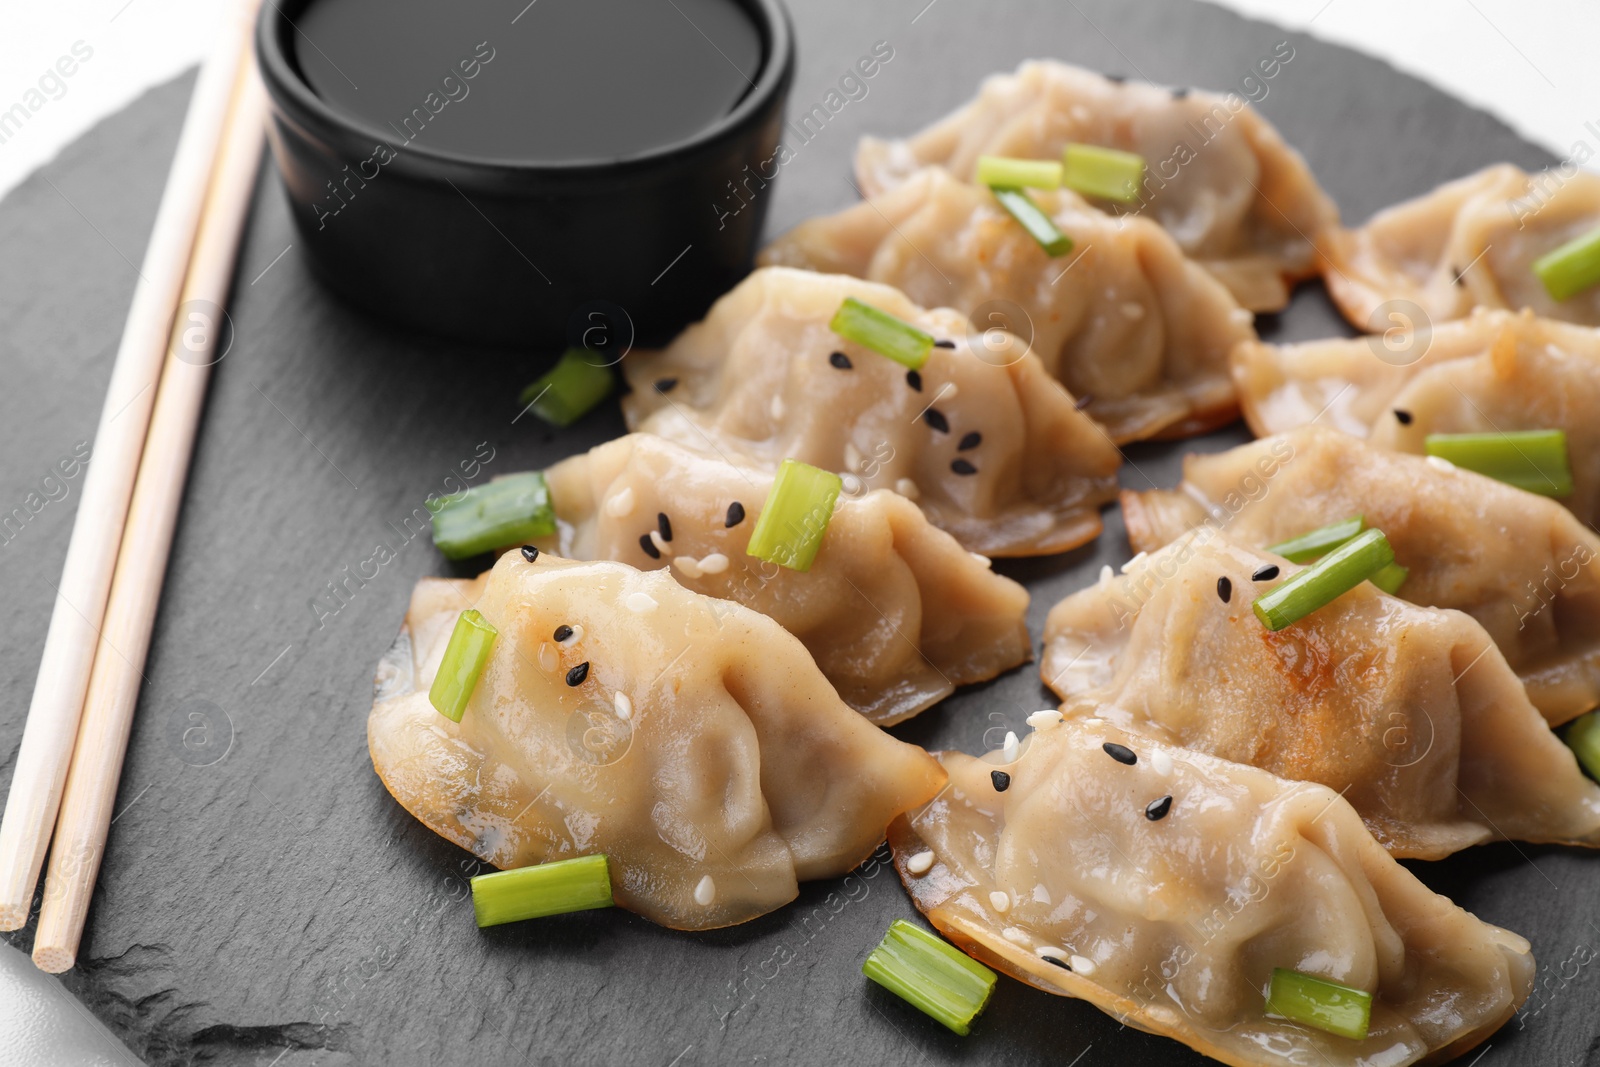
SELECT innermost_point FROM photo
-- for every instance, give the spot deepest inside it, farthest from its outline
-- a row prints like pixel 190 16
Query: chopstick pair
pixel 76 736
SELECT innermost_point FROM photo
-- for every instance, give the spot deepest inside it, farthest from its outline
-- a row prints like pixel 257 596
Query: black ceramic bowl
pixel 524 254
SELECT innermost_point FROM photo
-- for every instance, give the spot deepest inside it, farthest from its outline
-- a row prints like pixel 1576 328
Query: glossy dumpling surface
pixel 1124 320
pixel 995 453
pixel 1493 371
pixel 1518 563
pixel 1175 924
pixel 700 742
pixel 1218 177
pixel 1408 712
pixel 894 611
pixel 1469 243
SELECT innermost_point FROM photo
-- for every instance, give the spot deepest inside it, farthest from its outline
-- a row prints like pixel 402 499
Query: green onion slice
pixel 506 511
pixel 1319 542
pixel 567 392
pixel 464 657
pixel 880 331
pixel 930 974
pixel 792 523
pixel 1391 578
pixel 1319 1003
pixel 1011 173
pixel 1583 737
pixel 1022 208
pixel 1535 460
pixel 1103 172
pixel 580 884
pixel 1572 268
pixel 1324 581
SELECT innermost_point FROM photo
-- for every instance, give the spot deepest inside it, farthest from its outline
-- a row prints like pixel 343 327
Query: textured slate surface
pixel 264 900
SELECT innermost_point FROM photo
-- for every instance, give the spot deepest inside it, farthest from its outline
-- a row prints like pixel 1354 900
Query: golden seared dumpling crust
pixel 691 740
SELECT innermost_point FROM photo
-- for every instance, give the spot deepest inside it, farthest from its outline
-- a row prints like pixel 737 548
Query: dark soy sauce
pixel 554 81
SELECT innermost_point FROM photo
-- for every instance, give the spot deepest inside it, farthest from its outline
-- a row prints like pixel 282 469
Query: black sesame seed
pixel 1265 574
pixel 1058 961
pixel 577 674
pixel 1403 416
pixel 664 524
pixel 1084 401
pixel 1120 753
pixel 562 632
pixel 944 344
pixel 933 418
pixel 666 385
pixel 961 466
pixel 530 553
pixel 649 547
pixel 1157 809
pixel 840 360
pixel 735 515
pixel 1180 92
pixel 970 441
pixel 914 379
pixel 1225 588
pixel 1001 780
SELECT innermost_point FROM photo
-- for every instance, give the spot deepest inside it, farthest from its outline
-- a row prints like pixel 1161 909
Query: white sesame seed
pixel 688 565
pixel 662 546
pixel 1012 747
pixel 1050 952
pixel 775 409
pixel 706 892
pixel 575 636
pixel 548 660
pixel 620 503
pixel 999 901
pixel 1041 719
pixel 715 563
pixel 852 457
pixel 641 603
pixel 981 558
pixel 948 391
pixel 1082 964
pixel 1160 762
pixel 1016 935
pixel 921 863
pixel 907 488
pixel 1041 895
pixel 1439 463
pixel 1132 309
pixel 624 706
pixel 1105 573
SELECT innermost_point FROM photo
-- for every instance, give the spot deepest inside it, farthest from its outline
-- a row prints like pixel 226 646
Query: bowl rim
pixel 297 101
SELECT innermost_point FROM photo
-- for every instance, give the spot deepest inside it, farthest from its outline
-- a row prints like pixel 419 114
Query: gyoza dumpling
pixel 994 453
pixel 685 738
pixel 1469 243
pixel 895 612
pixel 1494 371
pixel 1518 563
pixel 1218 177
pixel 1127 323
pixel 1165 891
pixel 1407 712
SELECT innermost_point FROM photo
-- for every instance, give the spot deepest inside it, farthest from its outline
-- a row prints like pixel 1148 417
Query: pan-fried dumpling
pixel 692 741
pixel 1491 372
pixel 1218 177
pixel 895 612
pixel 995 453
pixel 1070 881
pixel 1408 712
pixel 1469 243
pixel 1127 322
pixel 1518 563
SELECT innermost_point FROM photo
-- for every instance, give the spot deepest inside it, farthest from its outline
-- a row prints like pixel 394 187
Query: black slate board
pixel 264 900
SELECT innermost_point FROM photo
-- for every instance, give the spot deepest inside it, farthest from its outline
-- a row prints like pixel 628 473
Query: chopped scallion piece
pixel 567 391
pixel 880 331
pixel 796 516
pixel 1391 578
pixel 1535 460
pixel 1324 581
pixel 464 657
pixel 1103 172
pixel 507 511
pixel 556 888
pixel 1319 542
pixel 1583 737
pixel 931 975
pixel 1319 1003
pixel 1572 268
pixel 1010 173
pixel 1021 207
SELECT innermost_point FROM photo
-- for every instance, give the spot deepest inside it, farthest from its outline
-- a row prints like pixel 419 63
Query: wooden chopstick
pixel 69 650
pixel 91 786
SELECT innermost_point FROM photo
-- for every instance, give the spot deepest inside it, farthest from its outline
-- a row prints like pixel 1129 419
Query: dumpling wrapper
pixel 1174 925
pixel 1218 177
pixel 1124 320
pixel 754 381
pixel 1520 564
pixel 1485 229
pixel 893 610
pixel 1409 713
pixel 1493 371
pixel 736 760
